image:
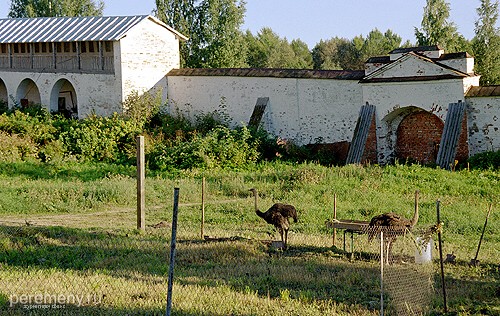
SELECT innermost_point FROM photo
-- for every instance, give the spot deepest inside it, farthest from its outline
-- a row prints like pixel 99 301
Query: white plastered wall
pixel 303 110
pixel 96 93
pixel 144 56
pixel 484 124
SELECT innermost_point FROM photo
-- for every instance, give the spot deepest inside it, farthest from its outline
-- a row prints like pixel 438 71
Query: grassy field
pixel 71 229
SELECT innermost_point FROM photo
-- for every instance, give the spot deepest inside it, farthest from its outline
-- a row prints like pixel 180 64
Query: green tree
pixel 268 50
pixel 55 8
pixel 302 53
pixel 325 53
pixel 341 53
pixel 437 29
pixel 213 29
pixel 486 43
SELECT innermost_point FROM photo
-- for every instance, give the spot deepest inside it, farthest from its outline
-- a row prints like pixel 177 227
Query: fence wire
pixel 66 271
pixel 406 268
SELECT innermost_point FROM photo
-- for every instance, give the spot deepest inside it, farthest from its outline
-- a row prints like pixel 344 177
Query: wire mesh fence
pixel 405 268
pixel 48 270
pixel 59 271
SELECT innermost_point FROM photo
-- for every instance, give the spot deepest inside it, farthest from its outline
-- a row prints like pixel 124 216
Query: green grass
pixel 81 238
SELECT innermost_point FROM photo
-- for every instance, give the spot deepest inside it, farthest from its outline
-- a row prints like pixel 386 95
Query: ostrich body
pixel 396 225
pixel 277 215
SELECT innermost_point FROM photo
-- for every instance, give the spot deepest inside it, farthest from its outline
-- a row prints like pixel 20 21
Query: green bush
pixel 38 127
pixel 15 148
pixel 110 139
pixel 220 148
pixel 486 160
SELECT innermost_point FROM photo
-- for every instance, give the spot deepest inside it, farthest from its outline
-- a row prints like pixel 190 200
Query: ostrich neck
pixel 414 220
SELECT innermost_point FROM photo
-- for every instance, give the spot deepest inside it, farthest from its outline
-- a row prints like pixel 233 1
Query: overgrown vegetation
pixel 173 142
pixel 68 187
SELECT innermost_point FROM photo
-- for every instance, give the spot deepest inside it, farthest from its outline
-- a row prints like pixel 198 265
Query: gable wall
pixel 146 54
pixel 412 66
pixel 303 110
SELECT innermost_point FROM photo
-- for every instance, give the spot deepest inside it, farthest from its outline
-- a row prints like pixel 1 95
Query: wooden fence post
pixel 141 201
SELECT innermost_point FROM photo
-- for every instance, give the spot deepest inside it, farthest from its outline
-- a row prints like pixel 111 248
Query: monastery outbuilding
pixel 415 103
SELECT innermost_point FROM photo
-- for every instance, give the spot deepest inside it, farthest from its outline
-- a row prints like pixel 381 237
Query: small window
pixel 4 48
pixel 51 47
pixel 43 47
pixel 108 47
pixel 37 47
pixel 74 47
pixel 23 48
pixel 91 47
pixel 67 47
pixel 83 47
pixel 16 48
pixel 58 47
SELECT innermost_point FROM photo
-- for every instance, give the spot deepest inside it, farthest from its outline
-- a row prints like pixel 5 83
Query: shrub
pixel 485 160
pixel 37 126
pixel 110 139
pixel 15 148
pixel 220 148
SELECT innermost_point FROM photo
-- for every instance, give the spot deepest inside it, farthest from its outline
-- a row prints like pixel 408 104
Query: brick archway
pixel 418 137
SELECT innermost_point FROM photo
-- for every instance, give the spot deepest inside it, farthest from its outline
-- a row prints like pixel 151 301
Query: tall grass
pixel 238 276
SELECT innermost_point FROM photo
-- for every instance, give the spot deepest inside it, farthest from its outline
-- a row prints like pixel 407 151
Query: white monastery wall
pixel 144 65
pixel 483 115
pixel 302 110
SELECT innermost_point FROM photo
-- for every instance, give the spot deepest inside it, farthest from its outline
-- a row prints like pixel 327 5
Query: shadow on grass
pixel 65 248
pixel 68 172
pixel 303 272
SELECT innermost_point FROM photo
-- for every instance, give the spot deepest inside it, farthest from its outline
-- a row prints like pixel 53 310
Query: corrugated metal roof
pixel 69 29
pixel 485 91
pixel 270 72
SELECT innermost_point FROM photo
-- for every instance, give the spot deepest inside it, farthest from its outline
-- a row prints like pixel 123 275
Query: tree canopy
pixel 268 50
pixel 437 29
pixel 342 53
pixel 213 29
pixel 486 43
pixel 55 8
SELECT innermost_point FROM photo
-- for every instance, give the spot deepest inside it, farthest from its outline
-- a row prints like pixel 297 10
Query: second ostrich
pixel 396 225
pixel 277 215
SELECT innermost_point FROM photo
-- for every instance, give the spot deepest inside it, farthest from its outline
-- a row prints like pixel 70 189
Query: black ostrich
pixel 277 215
pixel 396 225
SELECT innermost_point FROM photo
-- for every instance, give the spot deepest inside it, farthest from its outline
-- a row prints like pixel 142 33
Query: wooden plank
pixel 451 134
pixel 347 224
pixel 258 111
pixel 360 135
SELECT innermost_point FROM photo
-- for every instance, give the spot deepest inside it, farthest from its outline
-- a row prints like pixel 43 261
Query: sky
pixel 315 20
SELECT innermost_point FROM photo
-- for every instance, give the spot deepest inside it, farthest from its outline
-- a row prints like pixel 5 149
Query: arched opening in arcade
pixel 63 99
pixel 27 94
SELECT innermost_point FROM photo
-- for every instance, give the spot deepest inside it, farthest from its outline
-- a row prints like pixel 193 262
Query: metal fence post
pixel 172 252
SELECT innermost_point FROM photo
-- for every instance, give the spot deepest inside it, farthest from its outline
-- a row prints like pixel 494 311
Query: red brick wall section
pixel 418 137
pixel 463 145
pixel 370 152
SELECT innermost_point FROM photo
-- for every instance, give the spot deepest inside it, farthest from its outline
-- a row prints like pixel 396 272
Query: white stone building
pixel 90 65
pixel 84 65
